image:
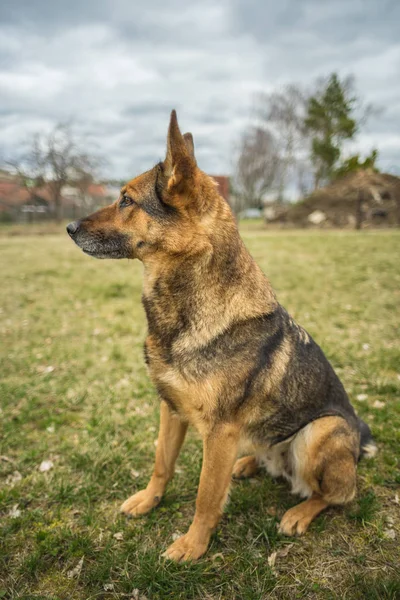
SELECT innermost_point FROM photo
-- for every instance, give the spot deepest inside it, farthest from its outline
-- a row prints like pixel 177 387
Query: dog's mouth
pixel 100 244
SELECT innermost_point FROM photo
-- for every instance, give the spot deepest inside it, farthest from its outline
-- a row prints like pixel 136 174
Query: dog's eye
pixel 125 201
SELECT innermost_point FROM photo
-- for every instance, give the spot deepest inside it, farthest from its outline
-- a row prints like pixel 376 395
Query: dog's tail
pixel 368 446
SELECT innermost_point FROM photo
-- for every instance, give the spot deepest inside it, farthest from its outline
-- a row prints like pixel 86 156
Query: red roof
pixel 12 193
pixel 223 185
pixel 96 189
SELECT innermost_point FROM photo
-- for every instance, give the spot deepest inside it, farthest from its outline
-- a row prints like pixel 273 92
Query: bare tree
pixel 30 167
pixel 63 159
pixel 282 112
pixel 55 159
pixel 82 181
pixel 257 168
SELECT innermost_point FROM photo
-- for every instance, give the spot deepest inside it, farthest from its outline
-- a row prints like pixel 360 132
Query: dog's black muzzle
pixel 99 242
pixel 72 228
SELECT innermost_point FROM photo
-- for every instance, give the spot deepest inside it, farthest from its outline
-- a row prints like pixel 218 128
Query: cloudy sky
pixel 117 67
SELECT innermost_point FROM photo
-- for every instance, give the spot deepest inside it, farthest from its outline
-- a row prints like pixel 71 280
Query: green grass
pixel 74 390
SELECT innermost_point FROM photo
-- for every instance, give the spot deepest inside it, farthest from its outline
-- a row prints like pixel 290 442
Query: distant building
pixel 251 213
pixel 12 197
pixel 223 185
pixel 28 204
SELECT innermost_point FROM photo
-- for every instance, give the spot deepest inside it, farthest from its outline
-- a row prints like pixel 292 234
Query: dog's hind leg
pixel 296 520
pixel 170 439
pixel 323 461
pixel 247 466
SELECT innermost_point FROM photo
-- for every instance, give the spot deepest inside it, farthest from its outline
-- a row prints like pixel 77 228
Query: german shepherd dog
pixel 223 354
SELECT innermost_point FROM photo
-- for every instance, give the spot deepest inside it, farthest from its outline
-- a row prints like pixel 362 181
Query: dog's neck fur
pixel 190 299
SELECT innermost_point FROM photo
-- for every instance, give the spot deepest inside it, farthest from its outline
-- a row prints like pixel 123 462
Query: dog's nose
pixel 73 227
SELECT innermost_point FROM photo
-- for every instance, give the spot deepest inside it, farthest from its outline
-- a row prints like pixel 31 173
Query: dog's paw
pixel 245 467
pixel 185 548
pixel 140 503
pixel 295 521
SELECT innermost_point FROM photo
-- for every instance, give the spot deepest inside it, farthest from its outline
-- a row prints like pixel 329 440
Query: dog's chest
pixel 192 398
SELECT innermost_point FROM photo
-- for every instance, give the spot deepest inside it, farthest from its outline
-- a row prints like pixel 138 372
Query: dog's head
pixel 167 209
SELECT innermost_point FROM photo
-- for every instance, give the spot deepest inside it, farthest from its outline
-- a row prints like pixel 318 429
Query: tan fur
pixel 170 439
pixel 247 466
pixel 297 519
pixel 320 464
pixel 221 351
pixel 195 399
pixel 219 454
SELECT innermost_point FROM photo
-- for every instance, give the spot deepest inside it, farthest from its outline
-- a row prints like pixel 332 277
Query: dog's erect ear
pixel 179 164
pixel 189 143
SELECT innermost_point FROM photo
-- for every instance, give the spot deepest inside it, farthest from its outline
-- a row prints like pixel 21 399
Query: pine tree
pixel 330 122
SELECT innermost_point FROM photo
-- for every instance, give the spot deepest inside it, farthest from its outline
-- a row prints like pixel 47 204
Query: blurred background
pixel 295 110
pixel 294 106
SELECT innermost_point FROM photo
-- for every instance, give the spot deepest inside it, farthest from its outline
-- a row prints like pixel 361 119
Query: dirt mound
pixel 361 199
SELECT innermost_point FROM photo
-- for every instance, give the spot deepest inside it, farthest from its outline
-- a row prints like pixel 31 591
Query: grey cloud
pixel 338 21
pixel 117 69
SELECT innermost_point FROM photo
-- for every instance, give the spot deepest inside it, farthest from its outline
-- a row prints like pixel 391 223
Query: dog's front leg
pixel 220 449
pixel 170 438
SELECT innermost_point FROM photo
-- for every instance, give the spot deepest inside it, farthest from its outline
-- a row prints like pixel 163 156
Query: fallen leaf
pixel 284 551
pixel 43 369
pixel 13 478
pixel 390 534
pixel 118 536
pixel 75 572
pixel 134 473
pixel 278 554
pixel 176 536
pixel 136 595
pixel 108 587
pixel 50 429
pixel 7 459
pixel 272 560
pixel 365 346
pixel 46 465
pixel 362 397
pixel 14 512
pixel 217 556
pixel 378 404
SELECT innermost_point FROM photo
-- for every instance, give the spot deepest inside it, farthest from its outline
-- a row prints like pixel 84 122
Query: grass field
pixel 74 391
